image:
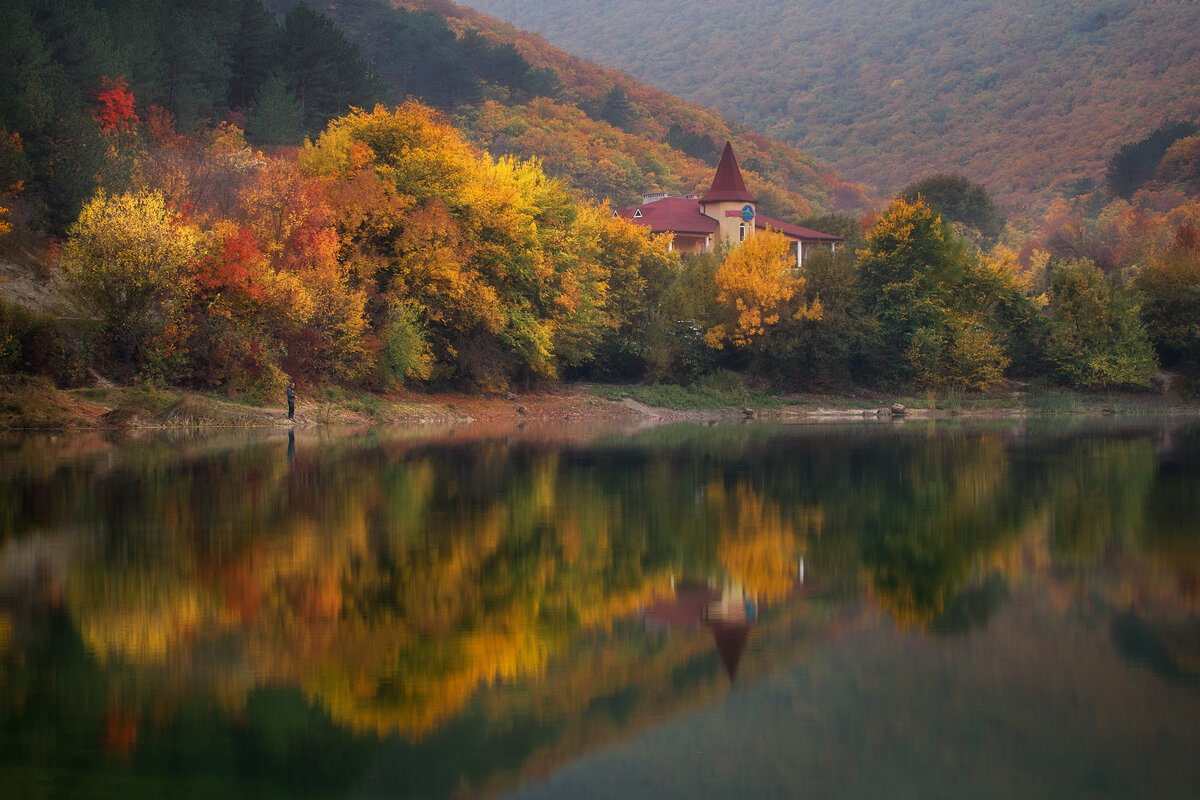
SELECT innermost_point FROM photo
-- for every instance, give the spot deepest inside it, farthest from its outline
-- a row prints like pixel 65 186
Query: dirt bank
pixel 33 403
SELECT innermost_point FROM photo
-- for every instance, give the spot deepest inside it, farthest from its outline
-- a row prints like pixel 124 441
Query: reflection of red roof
pixel 685 609
pixel 795 231
pixel 675 214
pixel 727 184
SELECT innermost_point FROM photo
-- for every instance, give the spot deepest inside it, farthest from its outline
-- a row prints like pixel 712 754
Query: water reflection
pixel 243 609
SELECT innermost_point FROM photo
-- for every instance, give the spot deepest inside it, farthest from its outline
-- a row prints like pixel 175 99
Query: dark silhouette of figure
pixel 291 398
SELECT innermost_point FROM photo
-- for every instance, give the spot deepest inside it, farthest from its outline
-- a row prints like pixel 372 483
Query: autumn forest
pixel 235 195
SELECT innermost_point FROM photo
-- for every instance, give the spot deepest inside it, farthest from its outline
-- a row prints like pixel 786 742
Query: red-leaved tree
pixel 114 105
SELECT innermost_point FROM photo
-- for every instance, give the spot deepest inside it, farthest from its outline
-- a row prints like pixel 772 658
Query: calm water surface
pixel 920 610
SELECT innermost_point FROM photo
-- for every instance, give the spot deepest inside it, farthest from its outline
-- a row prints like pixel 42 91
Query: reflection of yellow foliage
pixel 6 629
pixel 458 624
pixel 414 698
pixel 759 548
pixel 136 616
pixel 902 606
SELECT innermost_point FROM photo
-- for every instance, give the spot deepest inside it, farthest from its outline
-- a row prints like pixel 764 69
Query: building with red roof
pixel 727 212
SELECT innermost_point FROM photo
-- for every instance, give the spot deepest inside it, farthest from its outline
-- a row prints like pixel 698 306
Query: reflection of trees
pixel 758 547
pixel 392 579
pixel 1099 495
pixel 1173 517
pixel 390 585
pixel 938 511
pixel 134 614
pixel 918 514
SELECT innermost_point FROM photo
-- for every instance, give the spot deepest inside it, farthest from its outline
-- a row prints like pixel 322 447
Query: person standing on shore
pixel 291 398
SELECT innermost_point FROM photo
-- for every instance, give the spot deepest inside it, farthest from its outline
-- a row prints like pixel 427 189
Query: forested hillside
pixel 1028 98
pixel 78 76
pixel 606 134
pixel 151 165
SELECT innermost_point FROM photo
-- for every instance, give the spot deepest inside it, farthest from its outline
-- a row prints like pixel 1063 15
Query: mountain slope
pixel 604 132
pixel 1028 98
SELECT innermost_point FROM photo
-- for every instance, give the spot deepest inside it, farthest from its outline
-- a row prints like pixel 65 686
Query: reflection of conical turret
pixel 730 617
pixel 729 612
pixel 731 641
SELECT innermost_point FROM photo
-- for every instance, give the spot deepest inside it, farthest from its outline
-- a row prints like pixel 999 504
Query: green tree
pixel 636 268
pixel 1171 286
pixel 406 354
pixel 934 301
pixel 1135 163
pixel 253 53
pixel 276 117
pixel 40 102
pixel 324 70
pixel 1096 338
pixel 959 200
pixel 696 145
pixel 615 108
pixel 839 348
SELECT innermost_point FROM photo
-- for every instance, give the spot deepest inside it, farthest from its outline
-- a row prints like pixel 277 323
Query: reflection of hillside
pixel 425 593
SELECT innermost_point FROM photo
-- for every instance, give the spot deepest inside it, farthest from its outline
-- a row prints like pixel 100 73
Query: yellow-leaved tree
pixel 474 266
pixel 127 260
pixel 757 286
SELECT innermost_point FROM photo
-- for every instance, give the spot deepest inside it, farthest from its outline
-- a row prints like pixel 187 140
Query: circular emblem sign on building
pixel 747 212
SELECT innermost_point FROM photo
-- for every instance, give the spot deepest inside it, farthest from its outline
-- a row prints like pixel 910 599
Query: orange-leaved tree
pixel 311 304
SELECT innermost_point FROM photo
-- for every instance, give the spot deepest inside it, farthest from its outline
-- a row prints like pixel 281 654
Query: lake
pixel 922 609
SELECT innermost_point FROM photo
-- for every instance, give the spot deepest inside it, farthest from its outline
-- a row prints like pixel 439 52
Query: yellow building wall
pixel 729 224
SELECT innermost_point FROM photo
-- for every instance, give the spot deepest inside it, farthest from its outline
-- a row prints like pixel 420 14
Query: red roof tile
pixel 795 231
pixel 676 214
pixel 727 184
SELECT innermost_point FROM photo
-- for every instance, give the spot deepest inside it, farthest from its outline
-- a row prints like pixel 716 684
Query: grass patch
pixel 712 392
pixel 153 398
pixel 367 404
pixel 1067 402
pixel 1055 403
pixel 915 402
pixel 958 402
pixel 31 402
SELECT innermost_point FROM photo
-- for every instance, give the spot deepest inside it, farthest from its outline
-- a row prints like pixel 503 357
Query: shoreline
pixel 33 404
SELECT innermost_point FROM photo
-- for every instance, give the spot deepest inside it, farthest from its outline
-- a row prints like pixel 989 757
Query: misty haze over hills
pixel 1029 98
